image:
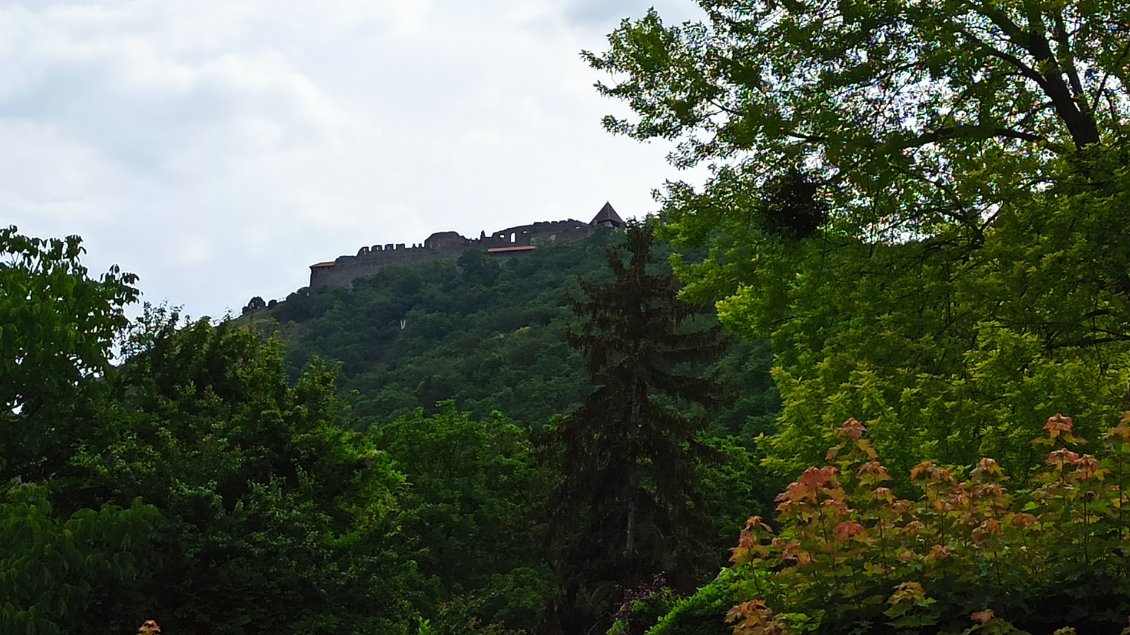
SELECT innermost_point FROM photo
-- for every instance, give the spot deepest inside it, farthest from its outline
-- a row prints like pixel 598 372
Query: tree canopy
pixel 914 201
pixel 910 115
pixel 919 204
pixel 202 480
pixel 629 503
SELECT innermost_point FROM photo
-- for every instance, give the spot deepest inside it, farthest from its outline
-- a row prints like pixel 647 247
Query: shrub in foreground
pixel 847 554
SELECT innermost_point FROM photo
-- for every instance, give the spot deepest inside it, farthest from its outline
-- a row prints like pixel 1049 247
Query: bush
pixel 848 554
pixel 704 612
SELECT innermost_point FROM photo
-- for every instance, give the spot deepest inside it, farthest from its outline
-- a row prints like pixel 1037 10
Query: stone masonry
pixel 450 245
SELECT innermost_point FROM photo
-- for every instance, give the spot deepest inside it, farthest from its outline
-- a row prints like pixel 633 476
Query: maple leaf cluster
pixel 845 552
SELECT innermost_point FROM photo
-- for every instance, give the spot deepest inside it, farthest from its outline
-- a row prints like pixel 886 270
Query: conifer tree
pixel 628 507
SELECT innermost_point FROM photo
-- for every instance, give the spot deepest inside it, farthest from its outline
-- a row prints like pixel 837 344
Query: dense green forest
pixel 487 334
pixel 240 490
pixel 872 375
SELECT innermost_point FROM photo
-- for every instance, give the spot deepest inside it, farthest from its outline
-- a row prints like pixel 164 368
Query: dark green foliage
pixel 204 483
pixel 469 518
pixel 254 304
pixel 642 606
pixel 276 514
pixel 191 483
pixel 753 403
pixel 792 207
pixel 629 504
pixel 485 334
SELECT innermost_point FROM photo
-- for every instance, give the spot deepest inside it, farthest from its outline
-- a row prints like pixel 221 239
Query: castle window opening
pixel 513 237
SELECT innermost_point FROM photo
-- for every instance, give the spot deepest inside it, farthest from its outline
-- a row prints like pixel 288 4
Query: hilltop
pixel 449 245
pixel 484 331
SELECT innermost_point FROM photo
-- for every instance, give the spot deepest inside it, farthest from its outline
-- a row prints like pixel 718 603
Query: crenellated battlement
pixel 449 245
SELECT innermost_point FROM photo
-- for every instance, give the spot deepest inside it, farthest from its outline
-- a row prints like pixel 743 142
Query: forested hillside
pixel 486 333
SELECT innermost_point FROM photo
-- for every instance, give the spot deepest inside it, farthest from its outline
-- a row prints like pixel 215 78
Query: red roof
pixel 323 265
pixel 507 250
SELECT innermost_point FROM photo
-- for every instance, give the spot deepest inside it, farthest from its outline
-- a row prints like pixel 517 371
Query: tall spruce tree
pixel 628 507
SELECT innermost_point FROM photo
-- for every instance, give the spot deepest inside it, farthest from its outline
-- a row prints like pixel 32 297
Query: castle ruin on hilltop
pixel 450 245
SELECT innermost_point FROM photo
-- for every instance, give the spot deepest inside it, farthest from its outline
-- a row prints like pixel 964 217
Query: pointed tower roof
pixel 607 217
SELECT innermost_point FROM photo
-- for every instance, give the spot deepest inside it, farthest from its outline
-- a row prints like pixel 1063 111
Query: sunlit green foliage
pixel 56 327
pixel 895 108
pixel 968 275
pixel 920 205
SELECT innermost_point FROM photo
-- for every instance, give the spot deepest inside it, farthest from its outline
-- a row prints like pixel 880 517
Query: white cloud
pixel 217 148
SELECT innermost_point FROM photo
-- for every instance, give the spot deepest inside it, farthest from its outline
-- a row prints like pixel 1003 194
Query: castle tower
pixel 607 217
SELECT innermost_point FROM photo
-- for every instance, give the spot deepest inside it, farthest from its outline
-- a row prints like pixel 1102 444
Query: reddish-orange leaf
pixel 931 472
pixel 989 527
pixel 757 523
pixel 792 551
pixel 1061 457
pixel 745 539
pixel 848 529
pixel 960 496
pixel 992 490
pixel 838 506
pixel 921 470
pixel 988 467
pixel 851 429
pixel 1021 519
pixel 1087 468
pixel 875 471
pixel 1058 424
pixel 884 493
pixel 938 552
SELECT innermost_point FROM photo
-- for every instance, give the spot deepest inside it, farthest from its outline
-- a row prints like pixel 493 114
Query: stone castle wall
pixel 370 260
pixel 440 246
pixel 526 235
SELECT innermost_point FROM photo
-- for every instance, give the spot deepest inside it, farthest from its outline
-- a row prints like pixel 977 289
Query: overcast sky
pixel 217 148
